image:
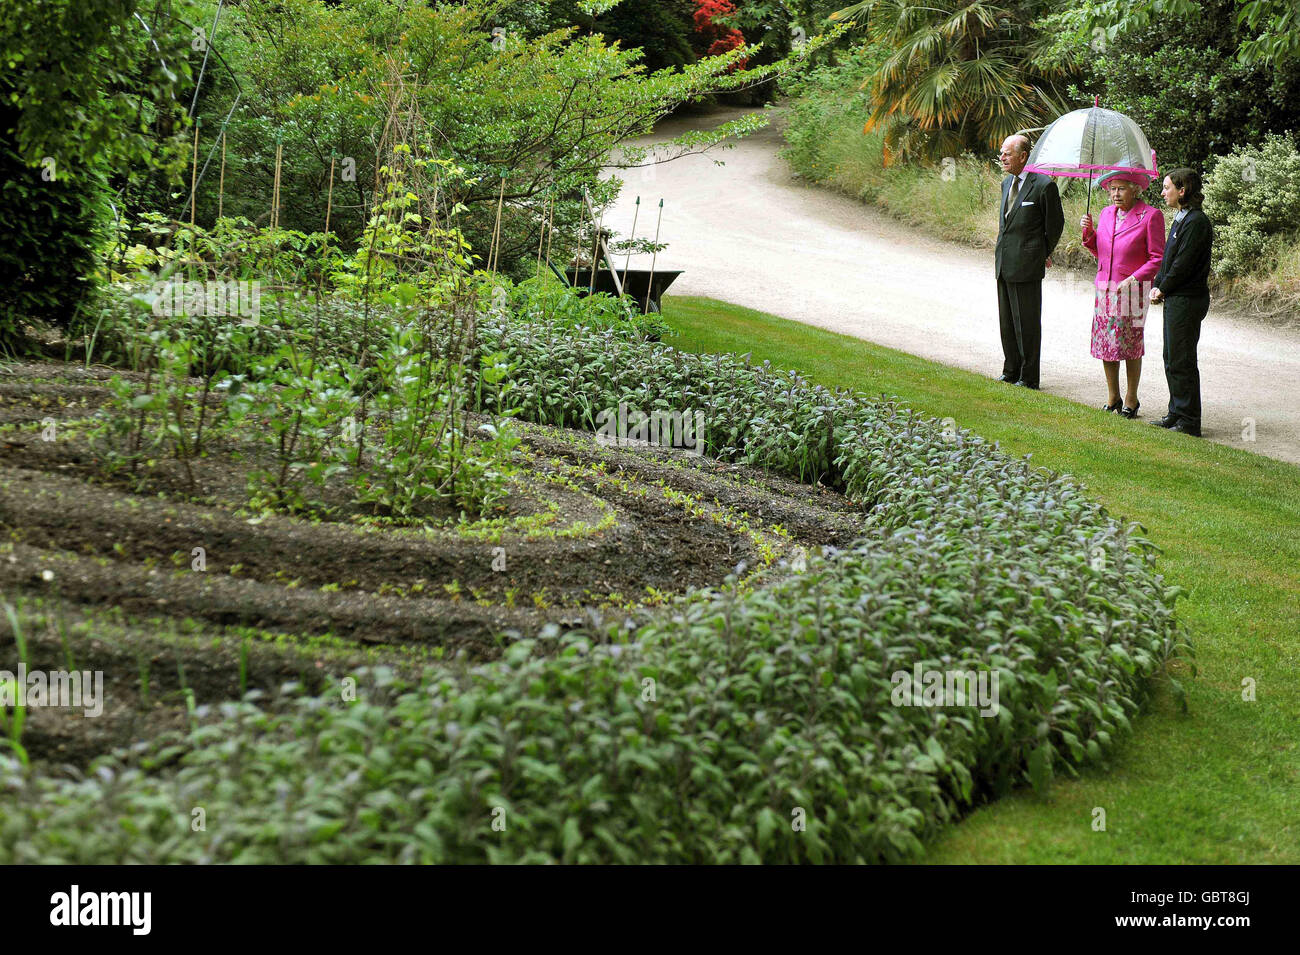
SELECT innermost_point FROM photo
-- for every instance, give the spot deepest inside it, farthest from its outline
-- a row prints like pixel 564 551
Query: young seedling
pixel 12 726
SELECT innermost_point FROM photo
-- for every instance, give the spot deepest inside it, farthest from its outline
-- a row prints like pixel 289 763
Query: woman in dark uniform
pixel 1183 285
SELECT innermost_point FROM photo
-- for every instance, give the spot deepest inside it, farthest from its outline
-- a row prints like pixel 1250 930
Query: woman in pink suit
pixel 1128 243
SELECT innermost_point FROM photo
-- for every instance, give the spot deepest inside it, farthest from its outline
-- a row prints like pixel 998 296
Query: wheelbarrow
pixel 635 282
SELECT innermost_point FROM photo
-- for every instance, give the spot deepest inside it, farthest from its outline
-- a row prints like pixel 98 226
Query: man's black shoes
pixel 1024 384
pixel 1174 423
pixel 1007 378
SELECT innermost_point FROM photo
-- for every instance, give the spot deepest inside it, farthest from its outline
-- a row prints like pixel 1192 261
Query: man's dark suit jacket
pixel 1027 236
pixel 1185 269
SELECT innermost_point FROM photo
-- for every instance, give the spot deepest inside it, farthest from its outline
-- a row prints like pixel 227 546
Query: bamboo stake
pixel 550 230
pixel 494 253
pixel 655 258
pixel 329 201
pixel 194 171
pixel 582 221
pixel 221 185
pixel 275 189
pixel 635 215
pixel 275 185
pixel 595 251
pixel 541 239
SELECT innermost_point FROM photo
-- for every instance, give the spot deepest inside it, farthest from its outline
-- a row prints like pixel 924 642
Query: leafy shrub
pixel 233 248
pixel 540 300
pixel 180 405
pixel 300 401
pixel 712 35
pixel 825 100
pixel 1178 77
pixel 1253 197
pixel 53 229
pixel 425 452
pixel 75 92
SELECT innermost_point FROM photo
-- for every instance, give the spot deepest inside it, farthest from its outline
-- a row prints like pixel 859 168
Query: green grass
pixel 1217 785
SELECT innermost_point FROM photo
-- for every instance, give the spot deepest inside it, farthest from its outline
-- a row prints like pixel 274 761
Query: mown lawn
pixel 1216 785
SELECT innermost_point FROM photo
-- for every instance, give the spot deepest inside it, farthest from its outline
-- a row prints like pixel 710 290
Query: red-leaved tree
pixel 719 38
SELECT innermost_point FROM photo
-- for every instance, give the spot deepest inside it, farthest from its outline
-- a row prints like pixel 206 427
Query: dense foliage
pixel 1253 197
pixel 1271 33
pixel 1181 79
pixel 318 88
pixel 295 103
pixel 86 93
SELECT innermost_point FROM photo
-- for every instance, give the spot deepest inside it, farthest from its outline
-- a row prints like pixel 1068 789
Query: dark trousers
pixel 1183 317
pixel 1020 314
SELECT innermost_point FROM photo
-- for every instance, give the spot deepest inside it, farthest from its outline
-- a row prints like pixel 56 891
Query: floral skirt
pixel 1119 323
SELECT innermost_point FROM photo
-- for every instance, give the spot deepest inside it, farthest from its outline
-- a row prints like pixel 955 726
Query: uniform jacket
pixel 1186 266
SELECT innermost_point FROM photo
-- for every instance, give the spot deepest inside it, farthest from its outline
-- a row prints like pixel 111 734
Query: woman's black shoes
pixel 1128 412
pixel 1114 406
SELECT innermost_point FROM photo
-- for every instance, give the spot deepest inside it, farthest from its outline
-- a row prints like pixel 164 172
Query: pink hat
pixel 1140 179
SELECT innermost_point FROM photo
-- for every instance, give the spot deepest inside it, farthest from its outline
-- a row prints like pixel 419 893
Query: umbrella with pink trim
pixel 1092 142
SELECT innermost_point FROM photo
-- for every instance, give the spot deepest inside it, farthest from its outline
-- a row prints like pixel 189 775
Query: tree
pixel 1271 27
pixel 962 75
pixel 661 29
pixel 87 87
pixel 1182 79
pixel 543 111
pixel 714 35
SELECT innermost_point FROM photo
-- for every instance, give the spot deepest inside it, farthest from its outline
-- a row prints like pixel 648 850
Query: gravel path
pixel 746 232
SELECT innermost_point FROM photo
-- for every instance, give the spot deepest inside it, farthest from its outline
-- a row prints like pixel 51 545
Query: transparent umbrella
pixel 1091 142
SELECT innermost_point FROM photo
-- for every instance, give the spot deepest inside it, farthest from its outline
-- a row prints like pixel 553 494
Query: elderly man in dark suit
pixel 1030 225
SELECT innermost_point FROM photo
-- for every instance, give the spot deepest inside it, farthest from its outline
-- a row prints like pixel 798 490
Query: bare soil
pixel 101 567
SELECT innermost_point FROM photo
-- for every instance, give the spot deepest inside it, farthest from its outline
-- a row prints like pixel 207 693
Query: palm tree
pixel 962 75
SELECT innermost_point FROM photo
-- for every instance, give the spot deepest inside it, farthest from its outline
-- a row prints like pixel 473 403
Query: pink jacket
pixel 1135 248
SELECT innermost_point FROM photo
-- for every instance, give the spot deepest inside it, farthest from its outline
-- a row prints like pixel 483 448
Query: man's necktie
pixel 1011 198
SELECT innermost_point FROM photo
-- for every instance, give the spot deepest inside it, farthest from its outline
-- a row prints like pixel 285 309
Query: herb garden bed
pixel 752 720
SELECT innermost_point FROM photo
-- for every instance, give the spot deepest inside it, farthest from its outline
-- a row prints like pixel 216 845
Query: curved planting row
pixel 775 724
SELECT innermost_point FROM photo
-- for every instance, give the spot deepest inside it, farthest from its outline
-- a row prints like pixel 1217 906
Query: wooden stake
pixel 655 258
